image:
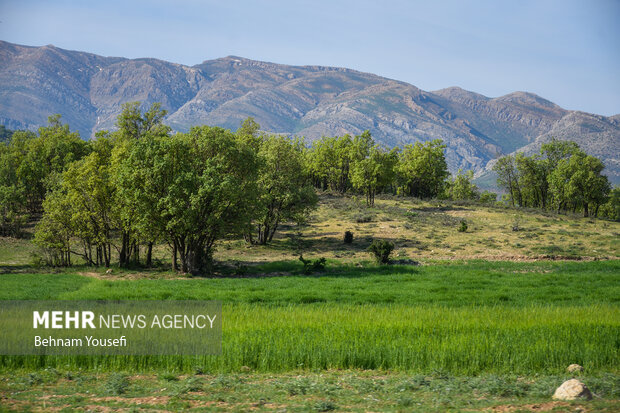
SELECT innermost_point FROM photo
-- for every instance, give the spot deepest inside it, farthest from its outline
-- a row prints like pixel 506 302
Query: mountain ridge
pixel 311 101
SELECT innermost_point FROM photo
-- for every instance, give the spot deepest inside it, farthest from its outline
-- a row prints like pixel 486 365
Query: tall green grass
pixel 469 340
pixel 462 318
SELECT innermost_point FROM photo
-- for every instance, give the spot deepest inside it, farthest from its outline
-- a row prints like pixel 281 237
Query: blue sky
pixel 564 50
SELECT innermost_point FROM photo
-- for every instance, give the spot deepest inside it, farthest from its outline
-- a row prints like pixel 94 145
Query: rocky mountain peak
pixel 311 101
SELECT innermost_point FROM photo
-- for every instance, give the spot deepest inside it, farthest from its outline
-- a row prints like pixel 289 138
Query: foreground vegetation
pixel 351 390
pixel 462 318
pixel 438 337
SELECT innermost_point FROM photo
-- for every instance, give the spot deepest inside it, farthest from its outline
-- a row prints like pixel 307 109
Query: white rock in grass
pixel 572 390
pixel 574 368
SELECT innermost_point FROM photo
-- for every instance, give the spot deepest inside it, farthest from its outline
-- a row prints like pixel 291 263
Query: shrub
pixel 488 197
pixel 411 214
pixel 363 218
pixel 463 226
pixel 117 384
pixel 311 266
pixel 381 249
pixel 324 406
pixel 168 377
pixel 348 237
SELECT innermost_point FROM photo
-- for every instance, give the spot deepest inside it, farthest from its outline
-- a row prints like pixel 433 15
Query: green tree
pixel 54 231
pixel 330 161
pixel 577 183
pixel 133 126
pixel 461 187
pixel 81 208
pixel 45 158
pixel 197 187
pixel 422 169
pixel 555 150
pixel 250 130
pixel 13 214
pixel 374 172
pixel 488 197
pixel 284 190
pixel 611 209
pixel 143 174
pixel 508 178
pixel 532 180
pixel 5 134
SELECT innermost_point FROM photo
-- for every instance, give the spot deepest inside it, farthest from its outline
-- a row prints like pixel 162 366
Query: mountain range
pixel 312 101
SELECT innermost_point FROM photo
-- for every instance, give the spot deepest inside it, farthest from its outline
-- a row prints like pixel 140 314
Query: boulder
pixel 574 368
pixel 572 390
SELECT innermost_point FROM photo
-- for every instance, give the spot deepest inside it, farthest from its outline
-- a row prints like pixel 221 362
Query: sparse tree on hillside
pixel 284 189
pixel 374 172
pixel 461 187
pixel 507 178
pixel 611 209
pixel 133 124
pixel 532 180
pixel 422 169
pixel 330 161
pixel 577 182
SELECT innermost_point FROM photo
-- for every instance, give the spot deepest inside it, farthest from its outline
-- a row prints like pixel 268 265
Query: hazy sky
pixel 566 51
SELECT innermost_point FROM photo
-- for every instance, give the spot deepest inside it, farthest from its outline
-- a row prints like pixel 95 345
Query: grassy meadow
pixel 483 319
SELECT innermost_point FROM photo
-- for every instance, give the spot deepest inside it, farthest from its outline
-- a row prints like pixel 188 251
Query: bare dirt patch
pixel 539 407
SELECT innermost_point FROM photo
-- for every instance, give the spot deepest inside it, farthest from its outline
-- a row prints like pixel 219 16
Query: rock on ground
pixel 574 368
pixel 572 390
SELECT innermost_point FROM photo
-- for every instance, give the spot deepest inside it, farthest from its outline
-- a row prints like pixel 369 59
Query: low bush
pixel 381 249
pixel 117 384
pixel 463 226
pixel 348 237
pixel 311 266
pixel 363 218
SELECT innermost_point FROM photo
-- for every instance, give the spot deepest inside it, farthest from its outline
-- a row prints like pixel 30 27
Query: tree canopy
pixel 142 185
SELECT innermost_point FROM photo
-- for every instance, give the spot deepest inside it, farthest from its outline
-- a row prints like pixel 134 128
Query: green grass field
pixel 458 334
pixel 464 318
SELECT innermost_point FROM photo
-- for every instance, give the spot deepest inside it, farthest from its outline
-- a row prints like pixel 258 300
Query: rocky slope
pixel 311 101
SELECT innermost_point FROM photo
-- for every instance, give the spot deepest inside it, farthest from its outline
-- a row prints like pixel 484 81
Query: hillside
pixel 311 101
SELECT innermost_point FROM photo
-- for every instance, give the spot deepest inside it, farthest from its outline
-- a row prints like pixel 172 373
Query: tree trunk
pixel 149 254
pixel 106 257
pixel 122 256
pixel 273 230
pixel 184 258
pixel 175 265
pixel 136 252
pixel 263 231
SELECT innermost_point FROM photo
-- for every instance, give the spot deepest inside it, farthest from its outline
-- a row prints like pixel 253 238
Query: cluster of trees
pixel 141 185
pixel 30 165
pixel 126 191
pixel 560 177
pixel 357 164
